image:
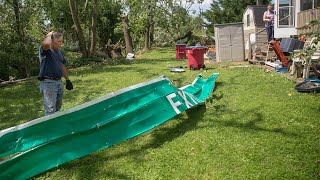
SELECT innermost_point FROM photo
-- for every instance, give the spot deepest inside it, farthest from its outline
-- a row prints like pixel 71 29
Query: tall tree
pixel 141 12
pixel 127 34
pixel 150 6
pixel 259 2
pixel 21 38
pixel 93 28
pixel 76 21
pixel 151 34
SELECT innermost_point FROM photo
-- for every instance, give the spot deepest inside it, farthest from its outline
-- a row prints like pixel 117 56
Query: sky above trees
pixel 204 6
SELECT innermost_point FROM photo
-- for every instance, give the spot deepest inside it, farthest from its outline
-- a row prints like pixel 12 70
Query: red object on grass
pixel 196 56
pixel 279 53
pixel 181 51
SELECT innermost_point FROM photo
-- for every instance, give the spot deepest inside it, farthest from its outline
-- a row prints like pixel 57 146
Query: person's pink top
pixel 269 15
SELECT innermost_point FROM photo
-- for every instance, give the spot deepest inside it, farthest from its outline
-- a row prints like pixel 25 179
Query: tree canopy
pixel 227 11
pixel 91 28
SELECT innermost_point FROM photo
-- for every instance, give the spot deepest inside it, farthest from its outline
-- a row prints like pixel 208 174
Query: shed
pixel 252 24
pixel 229 42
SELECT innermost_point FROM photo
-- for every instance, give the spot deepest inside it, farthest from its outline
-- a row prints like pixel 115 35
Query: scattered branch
pixel 5 83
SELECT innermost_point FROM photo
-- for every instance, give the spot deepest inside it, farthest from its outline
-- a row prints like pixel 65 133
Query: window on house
pixel 248 19
pixel 306 4
pixel 317 3
pixel 286 13
pixel 309 4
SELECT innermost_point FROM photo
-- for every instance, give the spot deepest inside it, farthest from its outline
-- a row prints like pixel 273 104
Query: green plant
pixel 313 24
pixel 308 51
pixel 314 45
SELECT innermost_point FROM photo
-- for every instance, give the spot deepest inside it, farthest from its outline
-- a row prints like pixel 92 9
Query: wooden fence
pixel 305 17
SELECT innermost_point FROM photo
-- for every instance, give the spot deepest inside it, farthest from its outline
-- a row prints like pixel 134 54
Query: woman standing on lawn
pixel 268 18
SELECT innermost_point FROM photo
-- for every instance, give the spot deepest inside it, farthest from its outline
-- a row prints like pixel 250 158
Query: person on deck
pixel 268 18
pixel 52 68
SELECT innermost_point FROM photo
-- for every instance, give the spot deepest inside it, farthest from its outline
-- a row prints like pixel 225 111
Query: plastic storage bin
pixel 196 57
pixel 181 51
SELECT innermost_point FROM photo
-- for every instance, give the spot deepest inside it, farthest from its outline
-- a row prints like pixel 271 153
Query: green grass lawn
pixel 257 127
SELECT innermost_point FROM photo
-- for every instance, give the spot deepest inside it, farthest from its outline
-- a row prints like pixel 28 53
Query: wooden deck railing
pixel 305 17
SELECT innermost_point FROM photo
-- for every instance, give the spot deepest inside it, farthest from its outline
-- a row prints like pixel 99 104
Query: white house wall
pixel 280 32
pixel 252 25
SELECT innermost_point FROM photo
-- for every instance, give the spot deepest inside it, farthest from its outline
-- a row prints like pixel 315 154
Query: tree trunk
pixel 147 29
pixel 102 54
pixel 21 37
pixel 127 35
pixel 259 2
pixel 94 28
pixel 115 54
pixel 146 38
pixel 76 21
pixel 151 36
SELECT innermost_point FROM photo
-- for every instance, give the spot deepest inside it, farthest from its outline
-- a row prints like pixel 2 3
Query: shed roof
pixel 258 11
pixel 229 24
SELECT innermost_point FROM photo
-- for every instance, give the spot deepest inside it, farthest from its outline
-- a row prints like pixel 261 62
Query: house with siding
pixel 290 18
pixel 291 15
pixel 253 24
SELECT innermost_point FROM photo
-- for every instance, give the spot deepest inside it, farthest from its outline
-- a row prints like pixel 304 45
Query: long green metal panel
pixel 52 140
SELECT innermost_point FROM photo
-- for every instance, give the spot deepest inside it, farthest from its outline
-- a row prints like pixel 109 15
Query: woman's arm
pixel 265 19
